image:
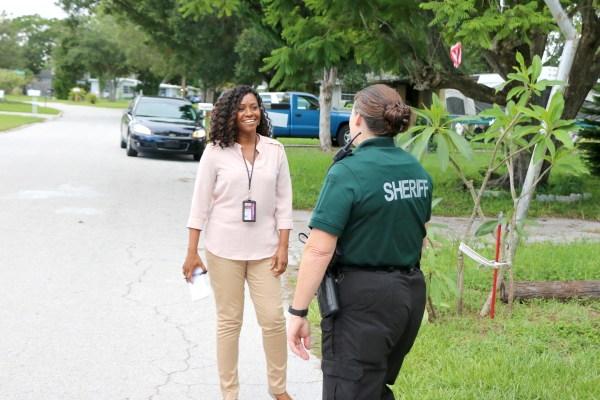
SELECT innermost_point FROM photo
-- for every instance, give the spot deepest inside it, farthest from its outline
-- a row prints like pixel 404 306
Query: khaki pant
pixel 227 281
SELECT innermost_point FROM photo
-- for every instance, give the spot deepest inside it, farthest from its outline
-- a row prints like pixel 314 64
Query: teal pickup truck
pixel 297 116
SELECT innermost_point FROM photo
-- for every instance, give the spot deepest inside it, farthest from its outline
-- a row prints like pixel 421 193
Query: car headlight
pixel 200 133
pixel 141 129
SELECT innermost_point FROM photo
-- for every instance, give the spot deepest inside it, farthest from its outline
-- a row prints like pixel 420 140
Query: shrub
pixel 77 96
pixel 91 98
pixel 9 80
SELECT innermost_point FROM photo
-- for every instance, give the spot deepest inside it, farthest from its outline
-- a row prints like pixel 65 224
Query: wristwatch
pixel 298 313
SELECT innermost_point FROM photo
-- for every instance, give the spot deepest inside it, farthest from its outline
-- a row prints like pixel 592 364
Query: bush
pixel 91 98
pixel 77 96
pixel 10 80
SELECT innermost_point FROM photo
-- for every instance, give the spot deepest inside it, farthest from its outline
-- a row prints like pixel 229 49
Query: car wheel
pixel 130 151
pixel 343 135
pixel 197 157
pixel 123 144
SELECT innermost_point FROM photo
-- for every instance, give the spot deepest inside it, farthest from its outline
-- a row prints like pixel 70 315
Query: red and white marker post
pixel 499 229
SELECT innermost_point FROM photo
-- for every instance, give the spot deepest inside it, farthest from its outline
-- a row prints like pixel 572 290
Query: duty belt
pixel 387 268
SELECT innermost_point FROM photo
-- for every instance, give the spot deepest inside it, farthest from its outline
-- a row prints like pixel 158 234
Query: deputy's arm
pixel 317 253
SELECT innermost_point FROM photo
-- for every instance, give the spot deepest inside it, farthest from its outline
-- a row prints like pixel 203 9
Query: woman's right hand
pixel 192 261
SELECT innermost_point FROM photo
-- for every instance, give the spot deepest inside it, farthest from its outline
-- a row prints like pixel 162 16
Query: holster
pixel 327 295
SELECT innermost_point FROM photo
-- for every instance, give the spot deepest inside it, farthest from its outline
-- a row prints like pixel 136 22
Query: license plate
pixel 172 144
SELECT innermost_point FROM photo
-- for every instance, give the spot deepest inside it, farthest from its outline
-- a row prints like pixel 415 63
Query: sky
pixel 46 8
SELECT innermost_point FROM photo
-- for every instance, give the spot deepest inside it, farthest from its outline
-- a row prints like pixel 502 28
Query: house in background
pixel 43 81
pixel 126 89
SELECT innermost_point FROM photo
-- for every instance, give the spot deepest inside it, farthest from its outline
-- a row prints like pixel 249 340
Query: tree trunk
pixel 329 79
pixel 432 309
pixel 111 85
pixel 586 64
pixel 552 290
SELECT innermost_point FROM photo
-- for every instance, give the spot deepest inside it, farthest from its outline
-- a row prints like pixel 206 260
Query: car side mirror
pixel 199 116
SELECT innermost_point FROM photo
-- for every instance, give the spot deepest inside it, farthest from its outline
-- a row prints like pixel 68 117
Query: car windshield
pixel 166 109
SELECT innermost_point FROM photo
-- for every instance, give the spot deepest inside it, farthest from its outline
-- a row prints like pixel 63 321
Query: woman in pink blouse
pixel 243 202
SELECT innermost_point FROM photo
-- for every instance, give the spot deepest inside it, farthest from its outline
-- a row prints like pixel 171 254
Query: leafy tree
pixel 98 48
pixel 306 32
pixel 590 136
pixel 413 38
pixel 37 37
pixel 510 26
pixel 10 80
pixel 67 70
pixel 195 50
pixel 142 54
pixel 254 45
pixel 10 51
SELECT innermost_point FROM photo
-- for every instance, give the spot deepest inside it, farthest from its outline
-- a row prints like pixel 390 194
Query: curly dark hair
pixel 223 121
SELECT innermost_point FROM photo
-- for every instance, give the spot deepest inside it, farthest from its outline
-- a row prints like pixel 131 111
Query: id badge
pixel 249 211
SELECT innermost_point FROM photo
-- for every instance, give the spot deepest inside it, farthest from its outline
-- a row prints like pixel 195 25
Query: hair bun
pixel 397 117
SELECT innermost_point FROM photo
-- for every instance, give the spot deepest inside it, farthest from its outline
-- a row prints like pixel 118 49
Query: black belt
pixel 385 268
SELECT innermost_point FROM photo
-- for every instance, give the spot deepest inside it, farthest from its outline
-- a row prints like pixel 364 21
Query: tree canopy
pixel 26 42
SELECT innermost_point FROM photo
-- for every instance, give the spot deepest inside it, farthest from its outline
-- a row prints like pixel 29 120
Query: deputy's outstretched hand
pixel 299 336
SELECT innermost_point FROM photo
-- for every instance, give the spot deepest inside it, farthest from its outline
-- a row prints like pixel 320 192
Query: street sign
pixel 34 93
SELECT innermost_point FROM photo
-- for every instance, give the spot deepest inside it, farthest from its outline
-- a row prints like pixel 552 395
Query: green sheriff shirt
pixel 376 202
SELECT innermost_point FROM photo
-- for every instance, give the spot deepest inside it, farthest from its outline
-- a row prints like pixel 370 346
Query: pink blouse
pixel 221 187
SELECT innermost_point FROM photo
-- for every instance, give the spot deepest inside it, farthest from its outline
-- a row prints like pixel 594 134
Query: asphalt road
pixel 92 300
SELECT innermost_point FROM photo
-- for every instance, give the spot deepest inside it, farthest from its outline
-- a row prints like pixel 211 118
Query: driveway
pixel 93 303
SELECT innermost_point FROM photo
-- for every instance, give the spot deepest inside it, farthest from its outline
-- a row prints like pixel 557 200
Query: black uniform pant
pixel 365 343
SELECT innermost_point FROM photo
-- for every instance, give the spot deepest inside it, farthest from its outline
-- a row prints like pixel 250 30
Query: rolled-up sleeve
pixel 203 191
pixel 283 194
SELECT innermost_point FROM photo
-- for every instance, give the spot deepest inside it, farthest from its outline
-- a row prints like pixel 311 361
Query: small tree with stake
pixel 519 129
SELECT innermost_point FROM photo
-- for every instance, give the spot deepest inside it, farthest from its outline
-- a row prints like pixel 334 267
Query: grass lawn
pixel 13 121
pixel 17 106
pixel 308 166
pixel 546 350
pixel 103 103
pixel 298 141
pixel 307 169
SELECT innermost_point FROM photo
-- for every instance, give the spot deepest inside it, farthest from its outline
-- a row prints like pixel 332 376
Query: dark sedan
pixel 162 125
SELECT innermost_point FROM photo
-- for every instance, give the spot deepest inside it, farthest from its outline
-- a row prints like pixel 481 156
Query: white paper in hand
pixel 199 288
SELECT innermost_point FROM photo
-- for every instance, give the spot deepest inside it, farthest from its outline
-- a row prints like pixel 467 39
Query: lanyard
pixel 250 173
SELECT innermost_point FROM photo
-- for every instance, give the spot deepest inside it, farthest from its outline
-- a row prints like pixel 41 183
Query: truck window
pixel 266 98
pixel 307 103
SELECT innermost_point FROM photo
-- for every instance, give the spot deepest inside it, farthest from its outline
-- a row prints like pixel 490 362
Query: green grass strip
pixel 16 106
pixel 13 121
